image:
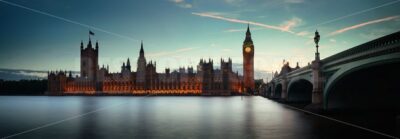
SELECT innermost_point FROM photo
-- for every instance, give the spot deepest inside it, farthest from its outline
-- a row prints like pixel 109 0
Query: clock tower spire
pixel 248 35
pixel 248 62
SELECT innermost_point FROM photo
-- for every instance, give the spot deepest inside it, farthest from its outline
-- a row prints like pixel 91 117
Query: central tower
pixel 141 66
pixel 248 62
pixel 89 61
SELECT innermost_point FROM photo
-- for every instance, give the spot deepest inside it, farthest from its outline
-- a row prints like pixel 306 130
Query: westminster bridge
pixel 365 76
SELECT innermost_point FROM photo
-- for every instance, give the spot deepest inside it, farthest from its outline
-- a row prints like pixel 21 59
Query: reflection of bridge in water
pixel 365 76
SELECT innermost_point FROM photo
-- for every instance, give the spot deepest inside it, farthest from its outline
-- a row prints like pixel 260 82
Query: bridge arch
pixel 277 91
pixel 300 90
pixel 354 85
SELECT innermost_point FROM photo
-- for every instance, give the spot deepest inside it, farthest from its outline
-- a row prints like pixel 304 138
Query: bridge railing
pixel 299 70
pixel 371 45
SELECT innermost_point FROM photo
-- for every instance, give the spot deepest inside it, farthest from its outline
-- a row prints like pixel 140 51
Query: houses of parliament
pixel 146 80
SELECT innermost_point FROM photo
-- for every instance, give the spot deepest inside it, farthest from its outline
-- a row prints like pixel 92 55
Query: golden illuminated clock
pixel 247 49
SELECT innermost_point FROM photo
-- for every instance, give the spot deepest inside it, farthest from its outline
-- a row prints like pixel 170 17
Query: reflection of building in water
pixel 185 81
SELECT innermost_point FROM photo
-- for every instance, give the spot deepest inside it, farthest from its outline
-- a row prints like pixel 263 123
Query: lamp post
pixel 317 95
pixel 316 40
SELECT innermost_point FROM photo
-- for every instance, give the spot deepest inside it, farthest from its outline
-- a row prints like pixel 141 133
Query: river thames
pixel 162 117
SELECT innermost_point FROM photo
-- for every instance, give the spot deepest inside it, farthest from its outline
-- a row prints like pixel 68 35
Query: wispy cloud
pixel 213 45
pixel 293 1
pixel 233 14
pixel 69 21
pixel 167 53
pixel 242 30
pixel 364 24
pixel 23 74
pixel 182 3
pixel 288 25
pixel 376 33
pixel 303 33
pixel 284 28
pixel 226 50
pixel 234 2
pixel 354 14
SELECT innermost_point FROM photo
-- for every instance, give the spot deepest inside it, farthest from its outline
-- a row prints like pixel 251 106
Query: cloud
pixel 376 33
pixel 23 74
pixel 185 49
pixel 285 26
pixel 234 14
pixel 355 13
pixel 165 53
pixel 363 24
pixel 234 2
pixel 68 20
pixel 284 29
pixel 182 3
pixel 303 33
pixel 291 23
pixel 242 30
pixel 226 50
pixel 332 40
pixel 293 1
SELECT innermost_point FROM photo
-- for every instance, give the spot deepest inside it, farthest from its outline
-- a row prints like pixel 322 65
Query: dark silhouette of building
pixel 248 62
pixel 146 80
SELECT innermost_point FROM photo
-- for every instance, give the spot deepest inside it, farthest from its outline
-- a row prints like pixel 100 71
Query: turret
pixel 128 65
pixel 89 45
pixel 141 50
pixel 81 45
pixel 190 70
pixel 141 66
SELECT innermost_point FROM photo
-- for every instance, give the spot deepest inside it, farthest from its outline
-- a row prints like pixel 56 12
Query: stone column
pixel 271 94
pixel 317 92
pixel 284 93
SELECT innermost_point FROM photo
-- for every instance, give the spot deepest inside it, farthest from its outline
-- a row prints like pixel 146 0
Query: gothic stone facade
pixel 146 80
pixel 248 62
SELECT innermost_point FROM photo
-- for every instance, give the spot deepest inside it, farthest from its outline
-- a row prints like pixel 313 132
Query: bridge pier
pixel 317 79
pixel 284 93
pixel 270 90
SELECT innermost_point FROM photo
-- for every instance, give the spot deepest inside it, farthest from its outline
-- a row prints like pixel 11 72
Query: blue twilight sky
pixel 45 34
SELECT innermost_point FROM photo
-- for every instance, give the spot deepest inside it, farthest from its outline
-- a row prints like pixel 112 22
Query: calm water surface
pixel 162 117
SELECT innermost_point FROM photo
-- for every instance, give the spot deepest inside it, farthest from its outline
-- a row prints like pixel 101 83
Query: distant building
pixel 146 80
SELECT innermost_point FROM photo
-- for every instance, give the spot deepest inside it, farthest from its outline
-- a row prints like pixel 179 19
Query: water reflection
pixel 165 117
pixel 88 127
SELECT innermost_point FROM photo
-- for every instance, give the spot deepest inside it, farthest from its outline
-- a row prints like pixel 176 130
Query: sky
pixel 42 35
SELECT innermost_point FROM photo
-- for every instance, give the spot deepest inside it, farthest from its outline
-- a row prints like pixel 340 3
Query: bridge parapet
pixel 299 71
pixel 379 44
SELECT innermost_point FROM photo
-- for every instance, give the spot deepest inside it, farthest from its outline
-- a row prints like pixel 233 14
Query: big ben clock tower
pixel 248 62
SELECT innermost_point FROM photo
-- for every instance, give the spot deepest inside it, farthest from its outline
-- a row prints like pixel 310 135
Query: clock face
pixel 247 49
